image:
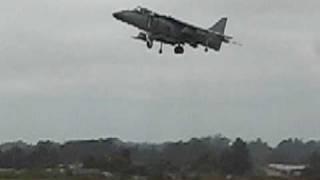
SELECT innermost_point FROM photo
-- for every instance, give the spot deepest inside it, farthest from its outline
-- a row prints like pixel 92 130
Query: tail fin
pixel 220 26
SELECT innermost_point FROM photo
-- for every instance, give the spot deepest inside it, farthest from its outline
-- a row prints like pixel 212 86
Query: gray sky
pixel 68 70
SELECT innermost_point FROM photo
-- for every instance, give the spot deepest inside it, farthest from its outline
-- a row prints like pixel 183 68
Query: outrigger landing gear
pixel 178 50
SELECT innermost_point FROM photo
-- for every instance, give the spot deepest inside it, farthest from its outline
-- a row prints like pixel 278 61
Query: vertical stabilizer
pixel 220 26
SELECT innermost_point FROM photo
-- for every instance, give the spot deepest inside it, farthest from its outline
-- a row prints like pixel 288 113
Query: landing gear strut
pixel 149 41
pixel 149 44
pixel 206 49
pixel 161 48
pixel 178 50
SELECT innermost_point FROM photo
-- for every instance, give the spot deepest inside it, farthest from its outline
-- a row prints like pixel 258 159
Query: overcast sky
pixel 68 70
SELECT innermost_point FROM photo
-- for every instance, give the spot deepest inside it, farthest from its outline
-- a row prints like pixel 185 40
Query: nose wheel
pixel 179 50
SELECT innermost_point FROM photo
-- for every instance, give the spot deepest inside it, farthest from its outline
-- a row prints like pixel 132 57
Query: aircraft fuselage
pixel 168 30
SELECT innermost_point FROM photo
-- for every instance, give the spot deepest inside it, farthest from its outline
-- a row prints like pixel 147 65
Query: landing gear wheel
pixel 206 49
pixel 178 50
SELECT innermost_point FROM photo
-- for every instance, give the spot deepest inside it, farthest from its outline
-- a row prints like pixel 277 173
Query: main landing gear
pixel 179 50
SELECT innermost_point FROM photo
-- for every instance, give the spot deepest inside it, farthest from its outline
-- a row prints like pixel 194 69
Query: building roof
pixel 287 167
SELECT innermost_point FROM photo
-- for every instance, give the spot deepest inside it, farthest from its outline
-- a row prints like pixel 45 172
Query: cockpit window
pixel 142 10
pixel 138 9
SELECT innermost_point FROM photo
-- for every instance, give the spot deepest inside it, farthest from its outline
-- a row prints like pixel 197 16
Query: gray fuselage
pixel 167 29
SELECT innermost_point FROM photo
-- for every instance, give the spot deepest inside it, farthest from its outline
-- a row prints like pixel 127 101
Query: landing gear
pixel 206 49
pixel 178 50
pixel 149 41
pixel 149 44
pixel 161 48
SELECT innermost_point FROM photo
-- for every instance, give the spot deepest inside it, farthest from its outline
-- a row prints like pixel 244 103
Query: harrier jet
pixel 168 30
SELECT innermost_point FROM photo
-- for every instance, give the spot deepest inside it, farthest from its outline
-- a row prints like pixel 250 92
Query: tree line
pixel 216 154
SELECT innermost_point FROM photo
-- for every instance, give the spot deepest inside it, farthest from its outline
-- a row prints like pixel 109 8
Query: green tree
pixel 236 160
pixel 242 161
pixel 314 165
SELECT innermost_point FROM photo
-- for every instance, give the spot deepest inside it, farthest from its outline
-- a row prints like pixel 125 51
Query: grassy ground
pixel 40 175
pixel 60 178
pixel 79 178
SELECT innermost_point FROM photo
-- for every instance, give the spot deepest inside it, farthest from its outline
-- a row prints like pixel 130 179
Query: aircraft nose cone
pixel 118 15
pixel 127 16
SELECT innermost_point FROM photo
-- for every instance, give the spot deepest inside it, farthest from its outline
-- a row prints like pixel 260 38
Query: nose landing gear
pixel 149 44
pixel 149 41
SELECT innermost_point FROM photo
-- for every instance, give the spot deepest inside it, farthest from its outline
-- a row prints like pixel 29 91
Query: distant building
pixel 107 174
pixel 7 170
pixel 78 170
pixel 284 170
pixel 75 166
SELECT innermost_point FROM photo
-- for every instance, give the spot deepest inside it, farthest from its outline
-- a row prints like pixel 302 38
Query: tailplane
pixel 220 26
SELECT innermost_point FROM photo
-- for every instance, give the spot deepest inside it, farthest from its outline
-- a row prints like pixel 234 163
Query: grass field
pixel 52 178
pixel 96 178
pixel 41 175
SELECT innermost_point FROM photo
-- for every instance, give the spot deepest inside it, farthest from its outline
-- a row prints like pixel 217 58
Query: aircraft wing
pixel 190 34
pixel 212 37
pixel 179 22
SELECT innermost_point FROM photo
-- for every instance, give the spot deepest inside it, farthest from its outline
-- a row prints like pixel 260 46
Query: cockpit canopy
pixel 143 10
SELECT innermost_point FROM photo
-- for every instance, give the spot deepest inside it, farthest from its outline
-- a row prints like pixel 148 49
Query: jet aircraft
pixel 168 30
